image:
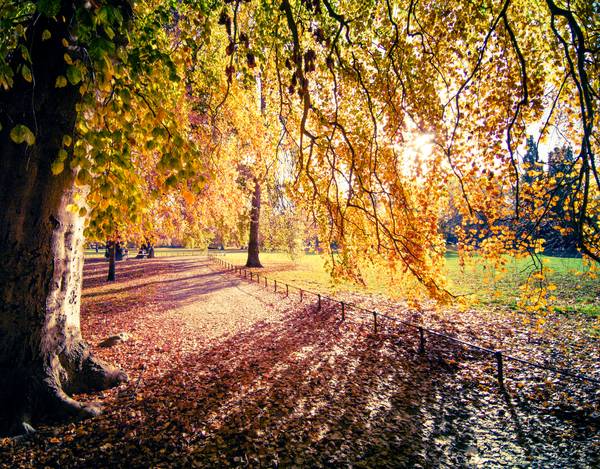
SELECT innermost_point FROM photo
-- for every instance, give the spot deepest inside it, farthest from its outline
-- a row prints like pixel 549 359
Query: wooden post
pixel 343 310
pixel 265 282
pixel 287 290
pixel 301 295
pixel 421 340
pixel 275 283
pixel 375 322
pixel 319 302
pixel 498 355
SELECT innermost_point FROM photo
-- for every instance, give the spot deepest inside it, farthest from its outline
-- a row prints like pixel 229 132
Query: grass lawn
pixel 575 290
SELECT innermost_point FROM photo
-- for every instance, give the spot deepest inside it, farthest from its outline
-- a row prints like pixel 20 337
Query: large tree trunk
pixel 253 259
pixel 43 357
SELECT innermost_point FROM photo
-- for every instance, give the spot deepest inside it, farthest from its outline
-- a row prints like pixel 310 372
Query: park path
pixel 190 289
pixel 219 305
pixel 224 373
pixel 175 306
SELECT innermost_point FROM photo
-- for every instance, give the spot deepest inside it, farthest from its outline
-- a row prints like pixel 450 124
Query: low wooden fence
pixel 498 355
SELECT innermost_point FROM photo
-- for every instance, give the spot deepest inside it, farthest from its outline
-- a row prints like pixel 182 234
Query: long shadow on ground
pixel 305 389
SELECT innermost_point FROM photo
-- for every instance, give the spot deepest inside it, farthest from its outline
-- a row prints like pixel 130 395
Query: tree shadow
pixel 173 283
pixel 95 271
pixel 304 389
pixel 308 391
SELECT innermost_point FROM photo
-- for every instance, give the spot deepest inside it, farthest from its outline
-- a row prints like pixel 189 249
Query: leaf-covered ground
pixel 226 373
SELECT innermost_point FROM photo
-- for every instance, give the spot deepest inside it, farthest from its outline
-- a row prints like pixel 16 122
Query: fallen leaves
pixel 218 379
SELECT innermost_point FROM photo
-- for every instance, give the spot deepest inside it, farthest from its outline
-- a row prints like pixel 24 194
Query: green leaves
pixel 26 73
pixel 48 8
pixel 171 181
pixel 22 134
pixel 74 75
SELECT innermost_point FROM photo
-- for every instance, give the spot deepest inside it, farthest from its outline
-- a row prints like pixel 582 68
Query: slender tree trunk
pixel 150 251
pixel 112 262
pixel 43 357
pixel 253 258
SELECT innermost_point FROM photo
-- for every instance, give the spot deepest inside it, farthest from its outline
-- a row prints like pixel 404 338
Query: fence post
pixel 498 355
pixel 343 311
pixel 275 283
pixel 287 290
pixel 265 282
pixel 375 321
pixel 301 295
pixel 421 340
pixel 251 279
pixel 319 302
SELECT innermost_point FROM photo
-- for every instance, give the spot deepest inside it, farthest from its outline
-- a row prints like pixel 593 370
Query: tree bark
pixel 253 252
pixel 43 357
pixel 112 261
pixel 151 254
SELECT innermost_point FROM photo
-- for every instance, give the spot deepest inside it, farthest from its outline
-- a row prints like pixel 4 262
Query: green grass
pixel 576 292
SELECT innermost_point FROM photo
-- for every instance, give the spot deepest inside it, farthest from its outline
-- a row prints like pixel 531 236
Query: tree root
pixel 42 391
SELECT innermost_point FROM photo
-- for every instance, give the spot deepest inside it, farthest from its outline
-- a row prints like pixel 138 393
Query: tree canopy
pixel 378 113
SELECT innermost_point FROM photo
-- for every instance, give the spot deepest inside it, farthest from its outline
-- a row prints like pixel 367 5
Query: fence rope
pixel 499 355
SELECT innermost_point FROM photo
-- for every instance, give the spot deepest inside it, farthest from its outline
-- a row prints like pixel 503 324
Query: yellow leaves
pixel 57 167
pixel 539 245
pixel 22 134
pixel 46 35
pixel 73 208
pixel 61 82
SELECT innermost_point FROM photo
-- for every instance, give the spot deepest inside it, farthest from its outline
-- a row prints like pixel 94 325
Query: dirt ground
pixel 227 373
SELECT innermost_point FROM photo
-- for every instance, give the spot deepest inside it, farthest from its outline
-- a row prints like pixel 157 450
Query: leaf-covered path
pixel 226 373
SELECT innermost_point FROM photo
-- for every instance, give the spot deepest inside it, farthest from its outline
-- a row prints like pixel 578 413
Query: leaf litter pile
pixel 226 373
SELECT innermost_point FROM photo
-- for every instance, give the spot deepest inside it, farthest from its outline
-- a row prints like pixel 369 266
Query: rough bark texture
pixel 253 258
pixel 112 261
pixel 43 357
